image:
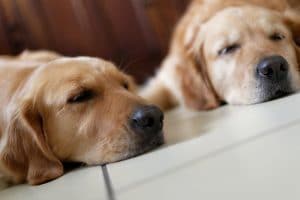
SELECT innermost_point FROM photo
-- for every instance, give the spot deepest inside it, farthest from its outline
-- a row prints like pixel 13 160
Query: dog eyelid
pixel 277 37
pixel 229 49
pixel 125 84
pixel 83 96
pixel 297 41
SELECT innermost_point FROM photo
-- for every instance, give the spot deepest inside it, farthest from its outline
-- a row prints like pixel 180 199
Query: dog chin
pixel 141 148
pixel 271 91
pixel 148 145
pixel 265 96
pixel 274 94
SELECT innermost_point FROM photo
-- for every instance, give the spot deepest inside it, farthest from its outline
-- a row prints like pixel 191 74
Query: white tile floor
pixel 242 152
pixel 86 184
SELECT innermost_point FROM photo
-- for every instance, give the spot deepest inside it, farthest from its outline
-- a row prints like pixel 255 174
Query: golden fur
pixel 40 128
pixel 193 75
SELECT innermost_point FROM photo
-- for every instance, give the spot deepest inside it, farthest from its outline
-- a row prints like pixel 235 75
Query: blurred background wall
pixel 133 33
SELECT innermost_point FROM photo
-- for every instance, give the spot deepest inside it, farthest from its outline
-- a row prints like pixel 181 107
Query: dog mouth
pixel 276 93
pixel 280 93
pixel 148 144
pixel 138 147
pixel 143 146
pixel 133 150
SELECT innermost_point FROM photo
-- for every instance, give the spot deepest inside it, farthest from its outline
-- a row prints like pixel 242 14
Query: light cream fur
pixel 195 76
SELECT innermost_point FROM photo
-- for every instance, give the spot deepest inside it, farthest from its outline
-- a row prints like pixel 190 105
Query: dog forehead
pixel 224 28
pixel 234 23
pixel 229 15
pixel 81 63
pixel 79 66
pixel 250 15
pixel 229 20
pixel 77 70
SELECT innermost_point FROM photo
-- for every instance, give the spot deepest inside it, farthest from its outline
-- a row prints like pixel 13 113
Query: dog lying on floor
pixel 232 51
pixel 82 109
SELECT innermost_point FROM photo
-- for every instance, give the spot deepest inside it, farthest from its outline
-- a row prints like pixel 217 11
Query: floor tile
pixel 264 167
pixel 85 183
pixel 191 136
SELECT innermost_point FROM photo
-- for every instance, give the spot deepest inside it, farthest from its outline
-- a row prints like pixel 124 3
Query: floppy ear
pixel 27 155
pixel 196 87
pixel 181 78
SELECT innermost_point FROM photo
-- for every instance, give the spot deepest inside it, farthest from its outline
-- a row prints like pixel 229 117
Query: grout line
pixel 109 189
pixel 212 154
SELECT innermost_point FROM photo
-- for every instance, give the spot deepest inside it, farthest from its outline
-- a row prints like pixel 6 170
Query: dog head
pixel 250 54
pixel 76 109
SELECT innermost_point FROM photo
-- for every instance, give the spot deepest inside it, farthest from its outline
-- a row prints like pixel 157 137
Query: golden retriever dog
pixel 233 51
pixel 56 109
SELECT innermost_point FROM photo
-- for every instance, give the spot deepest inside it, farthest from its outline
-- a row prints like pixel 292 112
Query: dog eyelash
pixel 229 49
pixel 125 85
pixel 297 41
pixel 277 37
pixel 83 96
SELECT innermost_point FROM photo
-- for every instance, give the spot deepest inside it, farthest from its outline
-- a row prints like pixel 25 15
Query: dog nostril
pixel 147 122
pixel 267 71
pixel 283 68
pixel 135 121
pixel 147 119
pixel 144 121
pixel 161 119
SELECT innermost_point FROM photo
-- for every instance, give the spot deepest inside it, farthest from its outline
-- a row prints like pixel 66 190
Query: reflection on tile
pixel 182 125
pixel 266 167
pixel 84 183
pixel 192 135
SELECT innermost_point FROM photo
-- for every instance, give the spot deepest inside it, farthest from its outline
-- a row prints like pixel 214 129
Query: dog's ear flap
pixel 195 86
pixel 27 156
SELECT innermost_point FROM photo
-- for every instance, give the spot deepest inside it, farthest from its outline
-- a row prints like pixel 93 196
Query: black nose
pixel 274 68
pixel 147 120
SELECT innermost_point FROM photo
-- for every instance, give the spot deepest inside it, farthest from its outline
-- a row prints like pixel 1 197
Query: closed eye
pixel 229 49
pixel 297 41
pixel 125 85
pixel 276 37
pixel 82 96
